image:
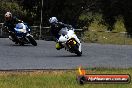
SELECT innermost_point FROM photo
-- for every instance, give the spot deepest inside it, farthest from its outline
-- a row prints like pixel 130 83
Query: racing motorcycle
pixel 69 40
pixel 22 35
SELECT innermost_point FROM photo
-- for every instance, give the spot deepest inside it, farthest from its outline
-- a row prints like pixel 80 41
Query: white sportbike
pixel 70 41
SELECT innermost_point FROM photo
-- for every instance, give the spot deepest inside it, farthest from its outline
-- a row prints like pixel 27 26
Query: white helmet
pixel 53 20
pixel 8 14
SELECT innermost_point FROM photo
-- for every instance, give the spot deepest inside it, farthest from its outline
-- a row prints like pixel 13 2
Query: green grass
pixel 106 38
pixel 57 79
pixel 97 33
pixel 119 25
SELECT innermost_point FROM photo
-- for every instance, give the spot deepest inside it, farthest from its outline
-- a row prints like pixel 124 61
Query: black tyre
pixel 17 40
pixel 32 40
pixel 81 80
pixel 79 53
pixel 21 43
pixel 75 48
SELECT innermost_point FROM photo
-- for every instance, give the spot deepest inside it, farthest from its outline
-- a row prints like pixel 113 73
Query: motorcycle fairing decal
pixel 71 42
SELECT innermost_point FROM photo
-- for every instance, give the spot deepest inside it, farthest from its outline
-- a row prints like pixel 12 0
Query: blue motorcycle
pixel 22 32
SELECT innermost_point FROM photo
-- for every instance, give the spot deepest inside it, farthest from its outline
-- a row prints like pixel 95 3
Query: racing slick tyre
pixel 32 40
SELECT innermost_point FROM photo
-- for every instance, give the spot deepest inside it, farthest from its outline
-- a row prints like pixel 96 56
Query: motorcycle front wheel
pixel 32 40
pixel 75 48
pixel 78 53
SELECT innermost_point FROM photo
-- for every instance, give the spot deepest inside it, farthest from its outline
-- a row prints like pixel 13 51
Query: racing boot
pixel 59 46
pixel 10 38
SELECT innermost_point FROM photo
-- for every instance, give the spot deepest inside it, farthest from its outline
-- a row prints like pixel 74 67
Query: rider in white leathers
pixel 56 27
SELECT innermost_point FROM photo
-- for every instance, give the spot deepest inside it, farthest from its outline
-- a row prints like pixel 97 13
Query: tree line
pixel 69 11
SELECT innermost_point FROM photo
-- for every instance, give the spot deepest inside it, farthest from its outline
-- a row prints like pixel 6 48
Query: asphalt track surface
pixel 45 56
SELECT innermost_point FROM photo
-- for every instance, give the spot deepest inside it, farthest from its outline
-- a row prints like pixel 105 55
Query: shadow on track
pixel 66 56
pixel 17 45
pixel 20 45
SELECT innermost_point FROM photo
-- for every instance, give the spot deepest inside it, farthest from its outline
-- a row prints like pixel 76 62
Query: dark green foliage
pixel 69 11
pixel 13 7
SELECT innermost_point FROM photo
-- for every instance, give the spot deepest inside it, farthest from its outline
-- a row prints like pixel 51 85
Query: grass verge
pixel 107 38
pixel 57 79
pixel 97 33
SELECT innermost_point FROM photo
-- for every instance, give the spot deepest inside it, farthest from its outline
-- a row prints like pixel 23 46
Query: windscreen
pixel 19 26
pixel 63 31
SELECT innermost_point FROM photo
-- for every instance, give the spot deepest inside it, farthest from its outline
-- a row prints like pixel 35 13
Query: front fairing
pixel 20 30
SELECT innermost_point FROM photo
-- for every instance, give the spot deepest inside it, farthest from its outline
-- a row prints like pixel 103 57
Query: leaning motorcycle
pixel 23 35
pixel 69 40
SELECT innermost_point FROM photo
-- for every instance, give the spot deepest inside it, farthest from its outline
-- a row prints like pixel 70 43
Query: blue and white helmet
pixel 53 20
